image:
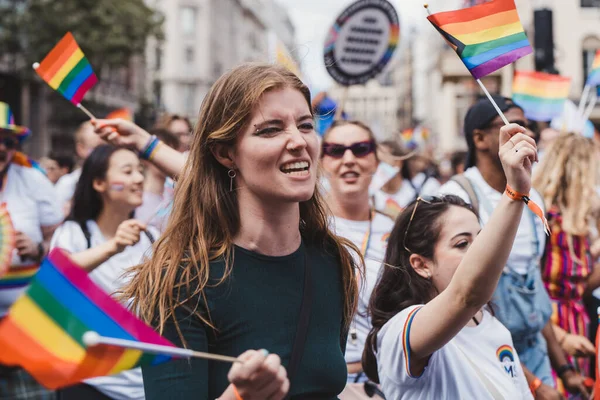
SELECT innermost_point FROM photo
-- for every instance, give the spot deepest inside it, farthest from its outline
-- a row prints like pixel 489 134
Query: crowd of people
pixel 251 236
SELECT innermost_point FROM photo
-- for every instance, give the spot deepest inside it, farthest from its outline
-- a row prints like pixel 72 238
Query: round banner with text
pixel 361 41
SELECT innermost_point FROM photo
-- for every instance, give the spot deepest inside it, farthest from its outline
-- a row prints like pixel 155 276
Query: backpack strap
pixel 86 233
pixel 467 186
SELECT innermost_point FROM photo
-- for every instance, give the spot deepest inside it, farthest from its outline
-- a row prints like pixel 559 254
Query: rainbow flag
pixel 594 75
pixel 542 96
pixel 486 37
pixel 43 331
pixel 123 113
pixel 67 70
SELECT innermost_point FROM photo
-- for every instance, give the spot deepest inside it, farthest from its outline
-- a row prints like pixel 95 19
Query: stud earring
pixel 232 174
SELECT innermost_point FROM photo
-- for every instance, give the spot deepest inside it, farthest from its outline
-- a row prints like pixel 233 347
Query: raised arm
pixel 477 275
pixel 127 134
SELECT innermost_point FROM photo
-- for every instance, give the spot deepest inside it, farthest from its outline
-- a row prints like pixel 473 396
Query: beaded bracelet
pixel 154 151
pixel 149 148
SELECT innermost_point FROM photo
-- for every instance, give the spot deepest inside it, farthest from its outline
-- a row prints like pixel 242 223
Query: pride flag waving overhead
pixel 43 331
pixel 67 70
pixel 486 37
pixel 542 96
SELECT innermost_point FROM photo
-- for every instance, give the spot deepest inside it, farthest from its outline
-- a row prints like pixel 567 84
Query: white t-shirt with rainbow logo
pixel 457 370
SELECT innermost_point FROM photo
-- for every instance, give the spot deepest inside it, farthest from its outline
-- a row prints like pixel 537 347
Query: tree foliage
pixel 108 31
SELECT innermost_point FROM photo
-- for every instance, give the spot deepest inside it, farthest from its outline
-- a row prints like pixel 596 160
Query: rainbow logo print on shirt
pixel 506 357
pixel 505 351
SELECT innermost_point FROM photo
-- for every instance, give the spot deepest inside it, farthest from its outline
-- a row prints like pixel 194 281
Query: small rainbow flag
pixel 594 76
pixel 123 113
pixel 43 331
pixel 67 70
pixel 486 37
pixel 542 96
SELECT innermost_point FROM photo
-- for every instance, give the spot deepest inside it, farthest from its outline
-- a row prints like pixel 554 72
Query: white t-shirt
pixel 109 276
pixel 522 254
pixel 427 187
pixel 31 202
pixel 65 186
pixel 356 232
pixel 392 204
pixel 454 370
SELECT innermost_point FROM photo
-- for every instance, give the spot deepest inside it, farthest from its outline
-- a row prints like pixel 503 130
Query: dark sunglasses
pixel 9 142
pixel 359 149
pixel 419 199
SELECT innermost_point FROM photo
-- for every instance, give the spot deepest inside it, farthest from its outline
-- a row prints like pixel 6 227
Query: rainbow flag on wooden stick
pixel 67 70
pixel 542 96
pixel 486 37
pixel 43 331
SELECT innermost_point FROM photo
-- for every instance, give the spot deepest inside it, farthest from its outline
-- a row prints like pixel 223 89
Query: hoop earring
pixel 232 174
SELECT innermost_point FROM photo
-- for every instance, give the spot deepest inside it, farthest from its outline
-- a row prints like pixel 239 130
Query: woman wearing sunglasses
pixel 433 336
pixel 349 161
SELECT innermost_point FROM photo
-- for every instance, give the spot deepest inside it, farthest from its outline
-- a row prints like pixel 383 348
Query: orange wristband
pixel 535 385
pixel 514 195
pixel 236 393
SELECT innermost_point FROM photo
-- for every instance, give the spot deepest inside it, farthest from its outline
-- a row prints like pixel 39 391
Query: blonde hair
pixel 205 216
pixel 567 178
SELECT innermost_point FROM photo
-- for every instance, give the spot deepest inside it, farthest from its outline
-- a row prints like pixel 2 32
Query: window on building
pixel 590 3
pixel 157 94
pixel 217 69
pixel 589 47
pixel 189 98
pixel 188 20
pixel 157 58
pixel 189 55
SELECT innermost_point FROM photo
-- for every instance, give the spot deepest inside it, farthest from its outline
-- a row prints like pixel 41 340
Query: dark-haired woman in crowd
pixel 105 241
pixel 433 336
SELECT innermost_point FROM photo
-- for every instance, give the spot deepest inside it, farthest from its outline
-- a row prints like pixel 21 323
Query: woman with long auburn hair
pixel 247 260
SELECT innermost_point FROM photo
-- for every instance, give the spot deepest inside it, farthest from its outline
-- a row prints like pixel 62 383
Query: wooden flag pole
pixel 489 96
pixel 584 98
pixel 589 110
pixel 91 339
pixel 86 111
pixel 487 93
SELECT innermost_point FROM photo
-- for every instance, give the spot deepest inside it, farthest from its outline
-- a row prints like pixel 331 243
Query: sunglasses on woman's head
pixel 359 149
pixel 419 199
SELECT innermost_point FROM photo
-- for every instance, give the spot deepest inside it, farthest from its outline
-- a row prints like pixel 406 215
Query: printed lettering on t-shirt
pixel 505 355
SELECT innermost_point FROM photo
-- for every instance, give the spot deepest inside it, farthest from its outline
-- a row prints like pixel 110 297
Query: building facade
pixel 444 90
pixel 203 40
